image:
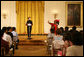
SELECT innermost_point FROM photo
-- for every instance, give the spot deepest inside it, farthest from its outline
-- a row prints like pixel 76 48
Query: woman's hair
pixel 58 31
pixel 61 28
pixel 4 29
pixel 66 28
pixel 8 28
pixel 13 28
pixel 2 33
pixel 76 38
pixel 74 28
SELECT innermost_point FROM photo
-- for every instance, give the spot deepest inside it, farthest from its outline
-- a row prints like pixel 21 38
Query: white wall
pixel 9 8
pixel 50 7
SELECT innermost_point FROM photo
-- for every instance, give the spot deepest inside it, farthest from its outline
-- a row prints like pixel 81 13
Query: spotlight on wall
pixel 4 13
pixel 55 12
pixel 4 16
pixel 55 16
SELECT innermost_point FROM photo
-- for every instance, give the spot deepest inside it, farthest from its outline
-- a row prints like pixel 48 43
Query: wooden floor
pixel 32 47
pixel 38 39
pixel 30 50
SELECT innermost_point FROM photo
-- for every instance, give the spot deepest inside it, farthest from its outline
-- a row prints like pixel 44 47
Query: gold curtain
pixel 33 9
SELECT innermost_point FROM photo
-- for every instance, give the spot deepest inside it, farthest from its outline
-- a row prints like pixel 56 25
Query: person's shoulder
pixel 13 32
pixel 28 20
pixel 8 32
pixel 8 36
pixel 5 34
pixel 31 20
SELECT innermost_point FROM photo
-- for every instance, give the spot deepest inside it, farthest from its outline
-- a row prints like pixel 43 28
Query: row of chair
pixel 11 51
pixel 52 51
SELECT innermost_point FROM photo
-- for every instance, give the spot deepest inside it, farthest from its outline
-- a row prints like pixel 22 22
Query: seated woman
pixel 4 43
pixel 6 37
pixel 76 45
pixel 58 40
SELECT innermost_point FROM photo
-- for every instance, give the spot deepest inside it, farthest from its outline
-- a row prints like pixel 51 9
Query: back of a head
pixel 4 29
pixel 58 31
pixel 74 28
pixel 61 28
pixel 76 38
pixel 13 28
pixel 8 28
pixel 66 28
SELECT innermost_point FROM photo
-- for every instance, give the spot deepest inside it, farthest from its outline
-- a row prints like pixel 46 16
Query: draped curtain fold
pixel 33 9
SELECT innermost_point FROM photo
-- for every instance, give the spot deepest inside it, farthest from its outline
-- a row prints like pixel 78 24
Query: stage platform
pixel 36 40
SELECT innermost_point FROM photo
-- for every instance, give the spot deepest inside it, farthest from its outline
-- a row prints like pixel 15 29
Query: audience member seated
pixel 76 45
pixel 66 30
pixel 9 30
pixel 62 31
pixel 4 43
pixel 66 38
pixel 6 37
pixel 73 29
pixel 4 29
pixel 58 40
pixel 15 36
